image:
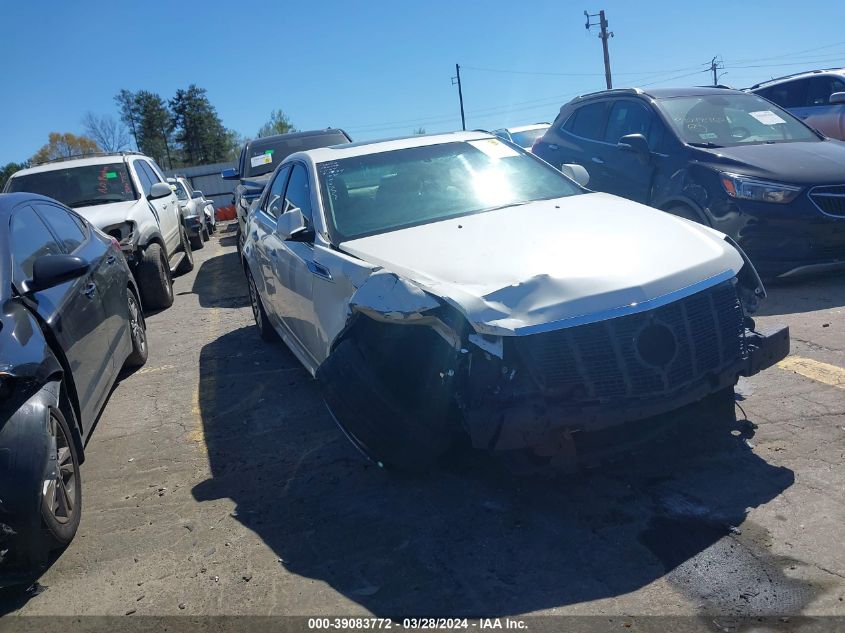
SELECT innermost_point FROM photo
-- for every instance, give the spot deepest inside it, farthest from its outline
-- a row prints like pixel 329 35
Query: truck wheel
pixel 153 275
pixel 61 498
pixel 371 418
pixel 197 242
pixel 186 264
pixel 137 332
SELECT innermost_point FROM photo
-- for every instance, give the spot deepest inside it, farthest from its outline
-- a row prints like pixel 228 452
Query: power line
pixel 552 74
pixel 781 56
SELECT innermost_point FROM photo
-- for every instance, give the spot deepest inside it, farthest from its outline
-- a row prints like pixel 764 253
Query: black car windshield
pixel 375 193
pixel 727 120
pixel 82 186
pixel 264 155
pixel 526 138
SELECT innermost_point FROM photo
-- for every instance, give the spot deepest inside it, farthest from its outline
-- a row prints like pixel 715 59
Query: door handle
pixel 554 147
pixel 90 290
pixel 597 160
pixel 319 270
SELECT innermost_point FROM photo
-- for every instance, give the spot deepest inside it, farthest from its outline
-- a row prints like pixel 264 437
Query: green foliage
pixel 278 124
pixel 200 133
pixel 65 145
pixel 8 169
pixel 146 115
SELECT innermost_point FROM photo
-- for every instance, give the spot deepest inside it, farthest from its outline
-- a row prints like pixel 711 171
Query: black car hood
pixel 804 163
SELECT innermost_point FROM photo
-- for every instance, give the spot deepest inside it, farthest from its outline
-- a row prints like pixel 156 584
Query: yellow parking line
pixel 813 369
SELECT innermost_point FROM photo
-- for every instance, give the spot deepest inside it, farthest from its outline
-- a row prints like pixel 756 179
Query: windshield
pixel 526 139
pixel 180 191
pixel 79 186
pixel 263 156
pixel 726 120
pixel 382 192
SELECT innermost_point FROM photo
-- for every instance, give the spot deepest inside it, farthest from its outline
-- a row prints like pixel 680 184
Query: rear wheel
pixel 186 264
pixel 205 234
pixel 61 499
pixel 137 332
pixel 197 241
pixel 264 327
pixel 153 275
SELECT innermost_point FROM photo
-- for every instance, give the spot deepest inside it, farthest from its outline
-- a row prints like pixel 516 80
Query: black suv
pixel 725 158
pixel 260 157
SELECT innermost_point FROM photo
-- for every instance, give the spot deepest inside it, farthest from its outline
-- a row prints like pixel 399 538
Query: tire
pixel 688 213
pixel 197 242
pixel 153 275
pixel 205 234
pixel 259 314
pixel 137 332
pixel 371 418
pixel 61 498
pixel 186 264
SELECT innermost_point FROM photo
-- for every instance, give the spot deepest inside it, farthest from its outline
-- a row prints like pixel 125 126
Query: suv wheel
pixel 61 498
pixel 186 264
pixel 137 332
pixel 153 275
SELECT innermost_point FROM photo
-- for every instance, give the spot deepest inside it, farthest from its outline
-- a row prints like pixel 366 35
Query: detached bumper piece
pixel 599 375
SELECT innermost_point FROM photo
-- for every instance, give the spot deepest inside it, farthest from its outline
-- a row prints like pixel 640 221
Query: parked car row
pixel 197 212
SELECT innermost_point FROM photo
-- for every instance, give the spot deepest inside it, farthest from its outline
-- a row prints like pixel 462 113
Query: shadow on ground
pixel 220 282
pixel 469 539
pixel 803 295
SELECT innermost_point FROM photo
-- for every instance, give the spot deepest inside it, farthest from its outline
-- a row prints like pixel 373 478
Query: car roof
pixel 99 159
pixel 526 128
pixel 801 75
pixel 362 148
pixel 658 93
pixel 9 201
pixel 272 141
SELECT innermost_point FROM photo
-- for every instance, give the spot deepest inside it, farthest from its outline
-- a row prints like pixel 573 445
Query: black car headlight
pixel 747 188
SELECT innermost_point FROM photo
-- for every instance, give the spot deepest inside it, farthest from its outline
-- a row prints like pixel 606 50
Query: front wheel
pixel 153 275
pixel 186 264
pixel 61 497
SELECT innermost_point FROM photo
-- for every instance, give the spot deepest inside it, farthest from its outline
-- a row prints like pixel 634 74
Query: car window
pixel 820 89
pixel 64 225
pixel 628 117
pixel 273 201
pixel 82 186
pixel 589 120
pixel 180 191
pixel 298 193
pixel 30 239
pixel 155 174
pixel 144 177
pixel 791 94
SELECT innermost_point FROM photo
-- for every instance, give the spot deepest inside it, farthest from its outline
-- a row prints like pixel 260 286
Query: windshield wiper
pixel 707 145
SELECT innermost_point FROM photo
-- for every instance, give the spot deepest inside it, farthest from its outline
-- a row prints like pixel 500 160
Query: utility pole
pixel 715 67
pixel 457 80
pixel 603 35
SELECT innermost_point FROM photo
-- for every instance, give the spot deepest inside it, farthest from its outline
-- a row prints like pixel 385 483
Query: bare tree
pixel 107 131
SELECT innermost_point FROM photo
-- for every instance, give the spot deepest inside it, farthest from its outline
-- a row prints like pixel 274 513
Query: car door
pixel 294 267
pixel 72 311
pixel 629 174
pixel 77 238
pixel 167 208
pixel 579 140
pixel 818 112
pixel 262 224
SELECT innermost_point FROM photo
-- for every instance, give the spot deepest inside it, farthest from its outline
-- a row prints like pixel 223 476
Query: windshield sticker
pixel 707 136
pixel 767 117
pixel 111 174
pixel 493 148
pixel 261 159
pixel 269 151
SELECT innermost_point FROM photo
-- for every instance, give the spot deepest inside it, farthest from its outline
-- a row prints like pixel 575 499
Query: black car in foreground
pixel 725 158
pixel 70 320
pixel 260 157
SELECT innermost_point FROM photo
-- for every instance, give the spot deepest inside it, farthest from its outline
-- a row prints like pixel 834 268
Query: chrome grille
pixel 829 199
pixel 600 361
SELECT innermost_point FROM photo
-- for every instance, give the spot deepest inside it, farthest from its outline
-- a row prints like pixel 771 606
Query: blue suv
pixel 727 159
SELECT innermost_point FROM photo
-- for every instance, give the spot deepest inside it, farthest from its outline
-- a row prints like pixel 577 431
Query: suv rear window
pixel 263 156
pixel 588 121
pixel 82 186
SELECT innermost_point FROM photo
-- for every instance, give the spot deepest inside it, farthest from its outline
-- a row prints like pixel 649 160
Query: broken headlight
pixel 123 232
pixel 747 188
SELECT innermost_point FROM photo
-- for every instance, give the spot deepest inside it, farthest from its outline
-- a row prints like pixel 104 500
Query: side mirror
pixel 576 172
pixel 230 173
pixel 291 226
pixel 634 143
pixel 196 194
pixel 49 271
pixel 836 97
pixel 159 190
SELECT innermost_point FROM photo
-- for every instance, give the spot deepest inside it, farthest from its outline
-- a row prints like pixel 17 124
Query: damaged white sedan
pixel 454 283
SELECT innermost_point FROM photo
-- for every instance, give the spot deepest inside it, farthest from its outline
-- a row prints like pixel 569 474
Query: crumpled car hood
pixel 555 263
pixel 103 215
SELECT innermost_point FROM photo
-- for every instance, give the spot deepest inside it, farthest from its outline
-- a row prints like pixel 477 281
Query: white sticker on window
pixel 767 117
pixel 708 135
pixel 261 159
pixel 494 148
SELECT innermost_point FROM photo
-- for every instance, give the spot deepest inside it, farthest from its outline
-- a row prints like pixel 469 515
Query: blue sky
pixel 382 68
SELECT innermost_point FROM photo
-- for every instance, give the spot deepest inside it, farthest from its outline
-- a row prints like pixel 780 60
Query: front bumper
pixel 533 419
pixel 194 225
